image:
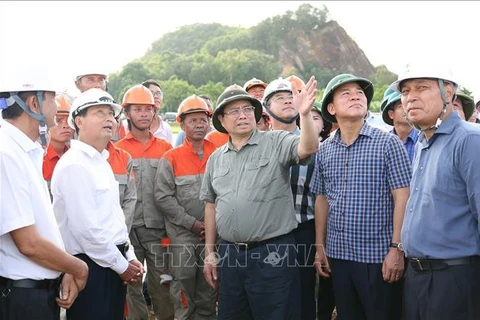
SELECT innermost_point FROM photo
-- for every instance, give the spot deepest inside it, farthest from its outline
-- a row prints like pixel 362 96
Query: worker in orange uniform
pixel 148 226
pixel 60 136
pixel 177 190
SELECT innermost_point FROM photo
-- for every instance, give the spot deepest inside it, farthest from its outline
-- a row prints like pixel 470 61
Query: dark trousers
pixel 103 297
pixel 450 293
pixel 325 299
pixel 305 244
pixel 28 304
pixel 259 283
pixel 361 293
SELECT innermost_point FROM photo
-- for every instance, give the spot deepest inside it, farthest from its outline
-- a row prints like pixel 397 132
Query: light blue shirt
pixel 442 213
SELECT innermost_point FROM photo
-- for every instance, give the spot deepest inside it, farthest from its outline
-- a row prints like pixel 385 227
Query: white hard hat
pixel 278 85
pixel 21 81
pixel 90 98
pixel 417 70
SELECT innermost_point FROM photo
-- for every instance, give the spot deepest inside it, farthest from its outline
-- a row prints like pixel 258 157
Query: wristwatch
pixel 397 246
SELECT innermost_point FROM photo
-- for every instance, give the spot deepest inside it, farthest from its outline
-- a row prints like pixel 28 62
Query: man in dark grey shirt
pixel 246 187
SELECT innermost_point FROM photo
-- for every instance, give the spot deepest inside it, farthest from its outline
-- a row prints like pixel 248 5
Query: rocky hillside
pixel 331 49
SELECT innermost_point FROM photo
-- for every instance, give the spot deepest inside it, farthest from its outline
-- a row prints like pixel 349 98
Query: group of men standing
pixel 250 220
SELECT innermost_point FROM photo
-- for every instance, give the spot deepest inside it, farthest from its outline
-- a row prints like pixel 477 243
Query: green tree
pixel 384 76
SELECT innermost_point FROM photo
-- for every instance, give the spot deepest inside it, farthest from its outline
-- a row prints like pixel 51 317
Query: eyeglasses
pixel 157 93
pixel 235 113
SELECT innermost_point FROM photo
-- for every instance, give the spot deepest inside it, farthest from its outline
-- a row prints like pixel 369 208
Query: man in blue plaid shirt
pixel 361 180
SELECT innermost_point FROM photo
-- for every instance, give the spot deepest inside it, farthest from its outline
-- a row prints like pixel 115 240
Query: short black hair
pixel 15 111
pixel 149 82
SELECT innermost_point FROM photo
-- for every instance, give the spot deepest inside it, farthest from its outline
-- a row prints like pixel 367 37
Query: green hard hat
pixel 390 98
pixel 338 81
pixel 234 93
pixel 468 104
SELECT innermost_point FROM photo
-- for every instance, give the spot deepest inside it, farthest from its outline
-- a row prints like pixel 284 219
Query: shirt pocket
pixel 221 182
pixel 257 174
pixel 187 187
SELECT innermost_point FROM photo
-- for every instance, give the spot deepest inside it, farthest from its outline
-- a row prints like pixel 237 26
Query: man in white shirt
pixel 32 256
pixel 85 201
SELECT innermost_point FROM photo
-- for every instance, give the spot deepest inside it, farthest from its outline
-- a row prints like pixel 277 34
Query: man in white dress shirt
pixel 32 256
pixel 85 201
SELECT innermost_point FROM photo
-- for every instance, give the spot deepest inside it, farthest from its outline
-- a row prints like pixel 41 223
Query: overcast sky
pixel 71 36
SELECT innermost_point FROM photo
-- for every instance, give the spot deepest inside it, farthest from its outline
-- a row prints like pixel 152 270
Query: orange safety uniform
pixel 50 160
pixel 177 189
pixel 217 138
pixel 122 166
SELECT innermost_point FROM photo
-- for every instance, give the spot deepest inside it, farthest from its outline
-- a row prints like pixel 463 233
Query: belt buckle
pixel 418 263
pixel 244 244
pixel 5 293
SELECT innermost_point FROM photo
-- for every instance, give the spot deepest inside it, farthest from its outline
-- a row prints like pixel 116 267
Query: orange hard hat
pixel 192 104
pixel 299 84
pixel 64 106
pixel 139 95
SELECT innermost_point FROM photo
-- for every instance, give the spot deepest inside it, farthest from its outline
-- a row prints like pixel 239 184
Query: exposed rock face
pixel 331 47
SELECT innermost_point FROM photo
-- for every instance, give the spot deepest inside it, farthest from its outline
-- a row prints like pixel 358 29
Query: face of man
pixel 62 132
pixel 49 108
pixel 281 104
pixel 140 116
pixel 91 81
pixel 157 95
pixel 349 102
pixel 397 114
pixel 262 124
pixel 318 121
pixel 238 117
pixel 256 92
pixel 196 126
pixel 97 124
pixel 422 102
pixel 458 107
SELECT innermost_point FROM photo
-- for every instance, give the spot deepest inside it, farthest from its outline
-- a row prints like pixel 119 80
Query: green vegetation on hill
pixel 206 58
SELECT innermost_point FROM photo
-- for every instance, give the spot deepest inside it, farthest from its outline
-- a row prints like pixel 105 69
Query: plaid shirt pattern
pixel 357 181
pixel 303 198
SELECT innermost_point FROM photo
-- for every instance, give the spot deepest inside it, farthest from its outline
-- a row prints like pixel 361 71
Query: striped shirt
pixel 357 181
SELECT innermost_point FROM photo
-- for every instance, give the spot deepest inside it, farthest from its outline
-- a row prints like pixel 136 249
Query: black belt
pixel 251 245
pixel 30 284
pixel 438 264
pixel 123 248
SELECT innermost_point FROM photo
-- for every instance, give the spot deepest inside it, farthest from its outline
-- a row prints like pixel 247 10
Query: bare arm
pixel 308 136
pixel 393 264
pixel 210 269
pixel 321 216
pixel 31 244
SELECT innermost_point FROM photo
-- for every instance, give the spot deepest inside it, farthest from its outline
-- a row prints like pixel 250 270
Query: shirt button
pixel 411 210
pixel 416 189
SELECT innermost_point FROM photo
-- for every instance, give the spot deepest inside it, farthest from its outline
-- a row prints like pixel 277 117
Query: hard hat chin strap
pixel 38 116
pixel 274 116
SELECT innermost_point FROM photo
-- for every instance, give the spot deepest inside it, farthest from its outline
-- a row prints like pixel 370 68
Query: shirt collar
pixel 51 153
pixel 366 130
pixel 413 135
pixel 20 137
pixel 449 124
pixel 88 149
pixel 254 138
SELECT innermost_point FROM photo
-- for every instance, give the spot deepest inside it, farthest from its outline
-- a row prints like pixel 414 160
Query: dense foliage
pixel 206 58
